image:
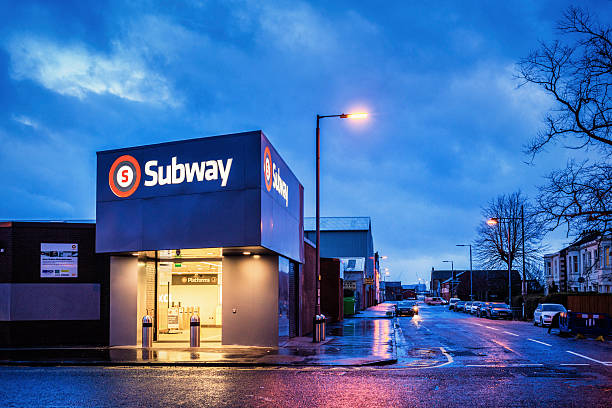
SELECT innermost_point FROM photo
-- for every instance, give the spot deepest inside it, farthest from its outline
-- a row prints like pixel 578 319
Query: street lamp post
pixel 452 278
pixel 469 245
pixel 494 221
pixel 524 285
pixel 318 217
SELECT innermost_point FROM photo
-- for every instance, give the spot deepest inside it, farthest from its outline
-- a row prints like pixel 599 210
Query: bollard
pixel 322 324
pixel 194 332
pixel 316 329
pixel 147 331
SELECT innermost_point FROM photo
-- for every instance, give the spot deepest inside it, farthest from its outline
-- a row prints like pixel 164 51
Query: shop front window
pixel 283 297
pixel 189 282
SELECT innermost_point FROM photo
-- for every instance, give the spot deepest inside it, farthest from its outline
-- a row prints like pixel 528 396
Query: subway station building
pixel 212 226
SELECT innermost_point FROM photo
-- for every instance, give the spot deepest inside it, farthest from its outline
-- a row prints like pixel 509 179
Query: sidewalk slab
pixel 363 341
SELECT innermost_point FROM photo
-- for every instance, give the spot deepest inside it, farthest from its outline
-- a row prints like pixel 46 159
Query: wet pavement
pixel 444 359
pixel 365 339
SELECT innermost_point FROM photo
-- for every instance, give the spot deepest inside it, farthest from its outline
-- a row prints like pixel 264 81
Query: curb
pixel 181 364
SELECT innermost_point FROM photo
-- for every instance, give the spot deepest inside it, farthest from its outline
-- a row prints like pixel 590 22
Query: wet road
pixel 445 359
pixel 469 341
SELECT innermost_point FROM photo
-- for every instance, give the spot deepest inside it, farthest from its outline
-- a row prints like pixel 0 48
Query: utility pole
pixel 524 287
pixel 471 293
pixel 471 287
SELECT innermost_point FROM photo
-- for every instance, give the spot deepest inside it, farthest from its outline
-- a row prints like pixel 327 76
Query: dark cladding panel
pixel 281 205
pixel 227 219
pixel 119 226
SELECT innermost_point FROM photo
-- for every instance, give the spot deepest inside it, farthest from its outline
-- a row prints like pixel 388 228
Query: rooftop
pixel 338 223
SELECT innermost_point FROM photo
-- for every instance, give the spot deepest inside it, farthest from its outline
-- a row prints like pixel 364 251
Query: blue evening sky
pixel 447 121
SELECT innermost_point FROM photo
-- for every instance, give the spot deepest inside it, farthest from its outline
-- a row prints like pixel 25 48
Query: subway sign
pixel 273 179
pixel 222 191
pixel 125 175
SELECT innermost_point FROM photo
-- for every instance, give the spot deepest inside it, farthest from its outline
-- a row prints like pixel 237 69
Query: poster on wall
pixel 59 260
pixel 173 318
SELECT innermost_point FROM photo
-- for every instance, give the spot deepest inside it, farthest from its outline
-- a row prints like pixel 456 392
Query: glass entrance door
pixel 189 282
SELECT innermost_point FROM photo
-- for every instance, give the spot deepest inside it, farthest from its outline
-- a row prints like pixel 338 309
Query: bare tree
pixel 491 246
pixel 577 73
pixel 579 196
pixel 578 76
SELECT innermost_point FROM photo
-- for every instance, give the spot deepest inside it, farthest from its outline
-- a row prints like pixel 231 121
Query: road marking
pixel 589 358
pixel 503 345
pixel 504 365
pixel 492 328
pixel 575 364
pixel 448 357
pixel 541 342
pixel 512 334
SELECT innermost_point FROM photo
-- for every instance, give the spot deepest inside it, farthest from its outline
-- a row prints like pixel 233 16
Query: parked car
pixel 407 309
pixel 467 307
pixel 498 310
pixel 544 313
pixel 482 309
pixel 432 301
pixel 452 302
pixel 459 306
pixel 474 308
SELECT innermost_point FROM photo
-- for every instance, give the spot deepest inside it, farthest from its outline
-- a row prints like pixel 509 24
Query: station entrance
pixel 175 284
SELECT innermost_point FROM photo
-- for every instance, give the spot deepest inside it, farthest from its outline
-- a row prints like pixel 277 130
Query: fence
pixel 582 303
pixel 590 303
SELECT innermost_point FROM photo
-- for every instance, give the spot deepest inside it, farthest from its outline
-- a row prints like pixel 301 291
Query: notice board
pixel 59 260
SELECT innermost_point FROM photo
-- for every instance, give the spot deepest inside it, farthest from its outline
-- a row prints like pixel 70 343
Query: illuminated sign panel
pixel 223 191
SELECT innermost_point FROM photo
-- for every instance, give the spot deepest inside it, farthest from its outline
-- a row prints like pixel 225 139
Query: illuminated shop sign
pixel 194 279
pixel 222 191
pixel 273 177
pixel 125 174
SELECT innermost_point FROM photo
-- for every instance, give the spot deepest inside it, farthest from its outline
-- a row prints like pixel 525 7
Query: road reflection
pixel 382 336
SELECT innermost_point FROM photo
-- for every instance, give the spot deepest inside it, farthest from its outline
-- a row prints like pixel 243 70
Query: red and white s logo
pixel 124 176
pixel 267 168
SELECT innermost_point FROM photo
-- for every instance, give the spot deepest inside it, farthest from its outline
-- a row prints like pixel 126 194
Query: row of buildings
pixel 212 226
pixel 395 290
pixel 486 285
pixel 583 266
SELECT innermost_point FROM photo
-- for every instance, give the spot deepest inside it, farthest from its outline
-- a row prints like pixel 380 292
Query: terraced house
pixel 583 266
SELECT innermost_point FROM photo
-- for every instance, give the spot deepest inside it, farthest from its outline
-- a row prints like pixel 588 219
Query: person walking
pixel 554 322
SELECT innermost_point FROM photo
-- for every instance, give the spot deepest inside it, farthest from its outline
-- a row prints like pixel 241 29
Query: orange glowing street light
pixel 362 115
pixel 492 221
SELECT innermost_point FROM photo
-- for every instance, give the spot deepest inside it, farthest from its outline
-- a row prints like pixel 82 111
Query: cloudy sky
pixel 447 121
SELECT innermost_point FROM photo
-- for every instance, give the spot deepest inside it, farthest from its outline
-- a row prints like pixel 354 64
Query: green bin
pixel 349 306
